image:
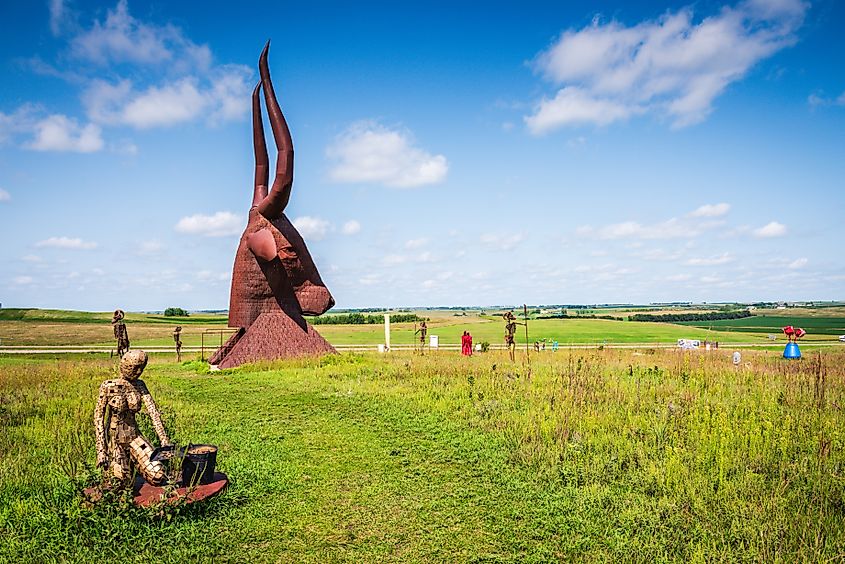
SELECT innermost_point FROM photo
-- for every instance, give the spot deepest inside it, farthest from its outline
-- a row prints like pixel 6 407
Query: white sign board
pixel 433 341
pixel 687 344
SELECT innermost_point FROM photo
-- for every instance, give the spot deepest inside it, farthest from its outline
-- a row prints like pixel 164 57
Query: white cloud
pixel 674 66
pixel 150 248
pixel 771 229
pixel 60 16
pixel 66 243
pixel 394 259
pixel 22 280
pixel 351 227
pixel 498 242
pixel 724 258
pixel 575 106
pixel 4 196
pixel 213 277
pixel 798 263
pixel 416 243
pixel 678 277
pixel 370 152
pixel 711 210
pixel 61 133
pixel 312 227
pixel 669 229
pixel 221 96
pixel 220 224
pixel 31 258
pixel 121 38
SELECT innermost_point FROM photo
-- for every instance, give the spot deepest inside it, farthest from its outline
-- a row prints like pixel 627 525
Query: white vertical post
pixel 387 331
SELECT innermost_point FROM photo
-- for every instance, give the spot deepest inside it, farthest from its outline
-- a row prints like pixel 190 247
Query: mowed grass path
pixel 611 456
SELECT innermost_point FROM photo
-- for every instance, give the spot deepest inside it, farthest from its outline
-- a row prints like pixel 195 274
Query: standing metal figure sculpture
pixel 274 280
pixel 120 333
pixel 423 331
pixel 120 444
pixel 177 338
pixel 510 333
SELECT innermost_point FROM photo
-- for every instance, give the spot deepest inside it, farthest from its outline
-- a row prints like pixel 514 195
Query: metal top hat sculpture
pixel 792 334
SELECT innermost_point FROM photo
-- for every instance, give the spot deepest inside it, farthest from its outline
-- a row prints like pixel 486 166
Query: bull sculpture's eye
pixel 275 281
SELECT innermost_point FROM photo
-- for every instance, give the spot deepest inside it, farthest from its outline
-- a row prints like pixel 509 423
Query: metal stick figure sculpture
pixel 510 332
pixel 177 338
pixel 120 333
pixel 274 281
pixel 120 444
pixel 423 331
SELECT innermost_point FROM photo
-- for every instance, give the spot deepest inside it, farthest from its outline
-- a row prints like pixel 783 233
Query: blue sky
pixel 539 152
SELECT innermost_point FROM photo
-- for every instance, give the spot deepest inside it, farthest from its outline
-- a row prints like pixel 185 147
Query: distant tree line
pixel 584 316
pixel 363 319
pixel 676 317
pixel 175 312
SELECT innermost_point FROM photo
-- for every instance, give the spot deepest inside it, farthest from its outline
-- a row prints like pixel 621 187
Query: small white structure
pixel 433 341
pixel 386 332
pixel 688 344
pixel 737 358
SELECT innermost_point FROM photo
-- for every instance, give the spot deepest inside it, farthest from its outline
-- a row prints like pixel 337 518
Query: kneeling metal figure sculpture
pixel 274 280
pixel 120 444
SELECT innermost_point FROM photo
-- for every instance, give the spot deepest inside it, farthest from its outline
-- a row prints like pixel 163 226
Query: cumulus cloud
pixel 174 80
pixel 122 38
pixel 150 248
pixel 670 229
pixel 771 229
pixel 351 227
pixel 798 263
pixel 724 258
pixel 220 224
pixel 370 152
pixel 61 133
pixel 4 196
pixel 74 243
pixel 711 210
pixel 674 66
pixel 60 16
pixel 416 243
pixel 499 242
pixel 221 96
pixel 312 227
pixel 575 106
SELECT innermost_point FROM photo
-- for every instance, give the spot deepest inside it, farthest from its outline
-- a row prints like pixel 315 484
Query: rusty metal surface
pixel 273 271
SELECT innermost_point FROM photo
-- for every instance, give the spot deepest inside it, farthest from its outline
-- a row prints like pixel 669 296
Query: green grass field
pixel 611 455
pixel 774 324
pixel 57 328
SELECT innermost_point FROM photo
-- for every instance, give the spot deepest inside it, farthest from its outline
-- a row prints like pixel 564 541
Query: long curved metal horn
pixel 262 163
pixel 274 204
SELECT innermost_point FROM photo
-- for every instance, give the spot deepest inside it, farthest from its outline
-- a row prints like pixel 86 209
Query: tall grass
pixel 603 454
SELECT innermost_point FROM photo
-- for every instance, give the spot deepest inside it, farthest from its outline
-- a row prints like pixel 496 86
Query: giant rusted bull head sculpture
pixel 274 281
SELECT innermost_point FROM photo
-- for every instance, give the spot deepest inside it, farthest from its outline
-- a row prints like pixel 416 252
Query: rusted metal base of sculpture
pixel 271 336
pixel 145 494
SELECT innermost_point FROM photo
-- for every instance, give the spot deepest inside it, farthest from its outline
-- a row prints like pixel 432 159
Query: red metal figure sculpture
pixel 275 281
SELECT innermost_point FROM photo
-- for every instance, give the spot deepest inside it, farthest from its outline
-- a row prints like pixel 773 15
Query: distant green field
pixel 774 324
pixel 69 316
pixel 36 327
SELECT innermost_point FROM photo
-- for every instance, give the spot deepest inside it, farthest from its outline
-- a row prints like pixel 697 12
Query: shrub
pixel 175 312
